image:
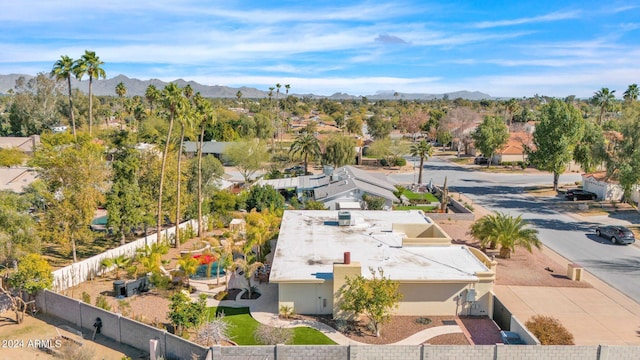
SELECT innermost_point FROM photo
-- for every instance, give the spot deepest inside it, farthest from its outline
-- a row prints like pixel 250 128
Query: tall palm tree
pixel 305 145
pixel 506 231
pixel 632 92
pixel 206 118
pixel 286 102
pixel 62 70
pixel 184 116
pixel 603 98
pixel 172 100
pixel 89 64
pixel 152 95
pixel 423 150
pixel 121 91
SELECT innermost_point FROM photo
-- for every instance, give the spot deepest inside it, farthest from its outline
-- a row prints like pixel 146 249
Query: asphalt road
pixel 569 236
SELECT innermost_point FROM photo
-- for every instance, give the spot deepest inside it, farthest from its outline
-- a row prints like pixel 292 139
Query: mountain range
pixel 106 87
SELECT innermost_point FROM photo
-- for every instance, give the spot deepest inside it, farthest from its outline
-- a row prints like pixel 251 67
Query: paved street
pixel 569 235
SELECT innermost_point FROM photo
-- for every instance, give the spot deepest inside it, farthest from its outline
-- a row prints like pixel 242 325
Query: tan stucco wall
pixel 340 273
pixel 307 298
pixel 443 299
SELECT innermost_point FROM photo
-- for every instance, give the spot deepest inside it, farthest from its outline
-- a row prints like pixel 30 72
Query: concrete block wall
pixel 458 352
pixel 178 348
pixel 384 352
pixel 508 352
pixel 266 352
pixel 110 321
pixel 318 352
pixel 137 335
pixel 613 352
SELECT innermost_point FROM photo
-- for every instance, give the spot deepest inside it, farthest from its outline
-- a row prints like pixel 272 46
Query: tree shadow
pixel 629 265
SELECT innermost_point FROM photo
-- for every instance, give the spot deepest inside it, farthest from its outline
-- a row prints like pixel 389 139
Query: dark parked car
pixel 511 338
pixel 617 234
pixel 579 194
pixel 480 160
pixel 297 170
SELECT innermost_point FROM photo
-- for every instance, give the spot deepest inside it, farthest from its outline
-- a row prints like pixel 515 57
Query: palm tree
pixel 632 92
pixel 603 98
pixel 207 117
pixel 423 150
pixel 305 145
pixel 189 266
pixel 506 231
pixel 239 96
pixel 62 70
pixel 152 95
pixel 172 99
pixel 89 64
pixel 248 268
pixel 184 118
pixel 121 91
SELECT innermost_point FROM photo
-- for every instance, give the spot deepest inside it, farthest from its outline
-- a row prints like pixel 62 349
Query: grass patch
pixel 423 208
pixel 244 326
pixel 462 160
pixel 419 196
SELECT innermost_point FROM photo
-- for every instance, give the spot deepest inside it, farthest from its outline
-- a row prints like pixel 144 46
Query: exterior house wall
pixel 430 298
pixel 607 191
pixel 307 298
pixel 500 158
pixel 331 203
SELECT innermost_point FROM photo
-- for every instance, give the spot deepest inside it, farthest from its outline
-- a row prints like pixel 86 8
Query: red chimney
pixel 347 258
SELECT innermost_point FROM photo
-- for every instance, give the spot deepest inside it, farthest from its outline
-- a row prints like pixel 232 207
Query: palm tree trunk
pixel 90 104
pixel 420 173
pixel 556 177
pixel 73 249
pixel 200 144
pixel 162 172
pixel 178 188
pixel 71 116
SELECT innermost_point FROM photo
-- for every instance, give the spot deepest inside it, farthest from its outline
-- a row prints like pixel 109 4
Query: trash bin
pixel 119 288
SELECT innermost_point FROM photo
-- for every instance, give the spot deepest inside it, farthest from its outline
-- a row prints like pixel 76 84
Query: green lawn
pixel 244 327
pixel 419 196
pixel 423 208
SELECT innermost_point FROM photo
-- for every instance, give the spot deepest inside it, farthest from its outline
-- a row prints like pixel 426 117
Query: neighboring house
pixel 26 144
pixel 317 250
pixel 215 148
pixel 344 184
pixel 607 190
pixel 16 179
pixel 514 150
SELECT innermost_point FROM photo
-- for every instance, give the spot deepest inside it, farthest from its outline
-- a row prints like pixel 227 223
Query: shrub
pixel 400 161
pixel 268 335
pixel 102 303
pixel 86 298
pixel 549 330
pixel 286 311
pixel 159 280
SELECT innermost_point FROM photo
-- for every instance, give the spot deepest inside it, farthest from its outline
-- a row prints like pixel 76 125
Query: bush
pixel 400 161
pixel 268 335
pixel 102 303
pixel 549 330
pixel 86 298
pixel 286 311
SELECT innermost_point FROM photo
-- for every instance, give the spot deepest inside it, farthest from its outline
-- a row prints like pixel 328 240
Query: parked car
pixel 617 234
pixel 480 160
pixel 297 170
pixel 579 194
pixel 511 338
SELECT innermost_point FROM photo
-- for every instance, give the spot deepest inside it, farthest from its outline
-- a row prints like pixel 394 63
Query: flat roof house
pixel 317 250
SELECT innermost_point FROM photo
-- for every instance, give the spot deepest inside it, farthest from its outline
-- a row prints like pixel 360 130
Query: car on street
pixel 295 170
pixel 579 194
pixel 480 160
pixel 511 338
pixel 616 233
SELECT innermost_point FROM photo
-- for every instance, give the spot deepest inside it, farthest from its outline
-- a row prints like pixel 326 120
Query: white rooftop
pixel 311 241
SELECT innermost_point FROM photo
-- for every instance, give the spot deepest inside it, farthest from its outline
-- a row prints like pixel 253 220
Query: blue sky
pixel 503 48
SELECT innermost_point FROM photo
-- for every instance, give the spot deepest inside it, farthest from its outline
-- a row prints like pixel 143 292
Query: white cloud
pixel 555 16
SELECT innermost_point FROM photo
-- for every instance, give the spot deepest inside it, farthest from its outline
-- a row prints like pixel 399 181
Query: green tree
pixel 75 175
pixel 33 274
pixel 506 231
pixel 374 297
pixel 18 235
pixel 121 91
pixel 560 128
pixel 185 314
pixel 604 99
pixel 307 146
pixel 189 266
pixel 354 124
pixel 264 197
pixel 588 150
pixel 125 209
pixel 389 149
pixel 423 150
pixel 373 202
pixel 32 108
pixel 314 205
pixel 89 64
pixel 378 127
pixel 153 96
pixel 632 92
pixel 339 150
pixel 62 70
pixel 11 157
pixel 206 117
pixel 491 135
pixel 248 156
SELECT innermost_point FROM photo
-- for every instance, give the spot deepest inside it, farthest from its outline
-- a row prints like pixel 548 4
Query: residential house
pixel 515 150
pixel 317 250
pixel 607 189
pixel 344 184
pixel 215 148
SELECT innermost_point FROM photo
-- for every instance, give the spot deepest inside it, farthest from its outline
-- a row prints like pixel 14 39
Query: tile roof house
pixel 607 189
pixel 515 148
pixel 316 250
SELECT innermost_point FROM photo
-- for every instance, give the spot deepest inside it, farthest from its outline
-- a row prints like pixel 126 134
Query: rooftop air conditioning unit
pixel 344 218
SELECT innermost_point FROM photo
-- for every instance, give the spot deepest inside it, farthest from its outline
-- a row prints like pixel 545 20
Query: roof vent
pixel 344 218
